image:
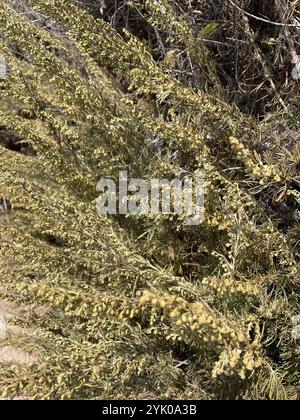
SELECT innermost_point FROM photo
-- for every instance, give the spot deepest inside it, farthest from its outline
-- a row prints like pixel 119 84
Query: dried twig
pixel 290 25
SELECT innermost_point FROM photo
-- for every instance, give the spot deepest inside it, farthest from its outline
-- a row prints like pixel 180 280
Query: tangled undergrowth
pixel 144 306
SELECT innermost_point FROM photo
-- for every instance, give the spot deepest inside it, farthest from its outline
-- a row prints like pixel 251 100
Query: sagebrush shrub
pixel 128 300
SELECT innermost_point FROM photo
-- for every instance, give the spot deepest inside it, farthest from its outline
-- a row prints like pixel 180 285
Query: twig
pixel 259 55
pixel 281 8
pixel 290 25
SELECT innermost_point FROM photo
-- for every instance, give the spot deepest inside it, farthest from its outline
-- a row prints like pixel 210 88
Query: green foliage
pixel 140 307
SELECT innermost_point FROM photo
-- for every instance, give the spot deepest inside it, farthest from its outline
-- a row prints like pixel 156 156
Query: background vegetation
pixel 143 306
